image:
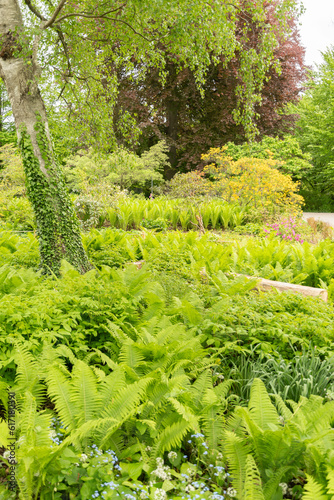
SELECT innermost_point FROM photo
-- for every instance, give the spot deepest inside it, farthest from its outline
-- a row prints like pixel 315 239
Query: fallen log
pixel 267 285
pixel 264 285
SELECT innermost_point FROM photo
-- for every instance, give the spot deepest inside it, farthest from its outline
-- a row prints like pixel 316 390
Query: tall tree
pixel 78 37
pixel 315 127
pixel 191 122
pixel 6 123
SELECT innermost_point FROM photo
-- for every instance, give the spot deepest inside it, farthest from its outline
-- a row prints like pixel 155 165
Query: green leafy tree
pixel 287 152
pixel 121 168
pixel 315 128
pixel 77 39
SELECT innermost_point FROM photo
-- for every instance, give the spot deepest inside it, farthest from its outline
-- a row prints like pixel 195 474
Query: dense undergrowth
pixel 170 377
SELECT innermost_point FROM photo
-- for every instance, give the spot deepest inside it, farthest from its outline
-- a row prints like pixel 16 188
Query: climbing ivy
pixel 57 226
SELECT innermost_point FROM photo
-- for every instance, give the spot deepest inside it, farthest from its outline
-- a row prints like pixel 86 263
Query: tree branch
pixel 55 14
pixel 90 16
pixel 34 10
pixel 64 44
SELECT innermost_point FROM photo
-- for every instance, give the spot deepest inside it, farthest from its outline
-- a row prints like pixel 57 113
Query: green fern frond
pixel 282 408
pixel 84 392
pixel 90 430
pixel 30 419
pixel 106 360
pixel 60 392
pixel 124 404
pixel 184 411
pixel 27 376
pixel 4 393
pixel 223 388
pixel 236 451
pixel 272 485
pixel 293 405
pixel 26 366
pixel 212 419
pixel 260 406
pixel 330 485
pixel 66 352
pixel 313 490
pixel 131 355
pixel 253 485
pixel 202 384
pixel 249 424
pixel 170 438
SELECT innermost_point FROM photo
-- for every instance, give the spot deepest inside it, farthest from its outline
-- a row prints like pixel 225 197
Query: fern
pixel 330 485
pixel 260 406
pixel 236 451
pixel 212 420
pixel 60 391
pixel 131 355
pixel 84 392
pixel 272 485
pixel 27 378
pixel 124 405
pixel 170 438
pixel 313 490
pixel 253 485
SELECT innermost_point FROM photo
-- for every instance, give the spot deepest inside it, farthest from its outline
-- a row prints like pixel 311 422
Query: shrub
pixel 251 181
pixel 122 168
pixel 158 224
pixel 189 185
pixel 90 212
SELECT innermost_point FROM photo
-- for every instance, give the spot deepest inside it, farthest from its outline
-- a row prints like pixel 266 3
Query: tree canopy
pixel 191 123
pixel 90 38
pixel 315 128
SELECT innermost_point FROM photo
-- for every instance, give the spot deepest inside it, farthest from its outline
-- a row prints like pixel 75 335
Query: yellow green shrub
pixel 252 181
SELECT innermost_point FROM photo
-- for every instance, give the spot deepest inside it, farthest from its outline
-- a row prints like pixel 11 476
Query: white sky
pixel 317 28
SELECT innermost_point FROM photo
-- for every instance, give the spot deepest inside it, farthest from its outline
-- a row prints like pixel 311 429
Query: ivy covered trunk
pixel 57 226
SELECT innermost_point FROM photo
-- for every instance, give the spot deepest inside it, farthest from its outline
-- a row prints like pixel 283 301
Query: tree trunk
pixel 172 105
pixel 58 228
pixel 172 132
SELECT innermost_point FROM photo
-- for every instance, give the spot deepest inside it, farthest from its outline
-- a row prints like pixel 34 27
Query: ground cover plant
pixel 164 345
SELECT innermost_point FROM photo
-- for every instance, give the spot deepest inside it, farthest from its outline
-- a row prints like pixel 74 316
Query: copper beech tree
pixel 192 123
pixel 71 40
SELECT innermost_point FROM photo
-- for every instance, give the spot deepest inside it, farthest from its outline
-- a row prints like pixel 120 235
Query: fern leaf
pixel 106 360
pixel 260 406
pixel 124 404
pixel 330 485
pixel 282 408
pixel 236 450
pixel 184 411
pixel 170 438
pixel 84 391
pixel 60 391
pixel 27 375
pixel 213 425
pixel 131 355
pixel 313 490
pixel 223 388
pixel 201 385
pixel 271 486
pixel 253 486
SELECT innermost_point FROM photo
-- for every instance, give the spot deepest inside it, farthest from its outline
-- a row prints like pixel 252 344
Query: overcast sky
pixel 317 28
